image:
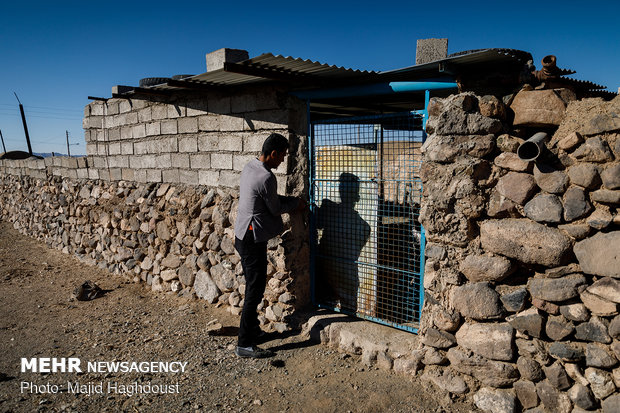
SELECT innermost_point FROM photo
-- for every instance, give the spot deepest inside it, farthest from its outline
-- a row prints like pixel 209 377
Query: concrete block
pixel 153 128
pixel 115 174
pixel 267 100
pixel 171 176
pixel 188 176
pixel 153 175
pixel 188 144
pixel 143 162
pixel 175 111
pixel 56 161
pixel 138 103
pixel 135 162
pixel 159 112
pixel 93 173
pixel 127 174
pixel 104 174
pixel 124 106
pixel 254 143
pixel 114 148
pixel 145 115
pixel 87 137
pixel 267 120
pixel 48 162
pixel 126 132
pixel 100 162
pixel 113 135
pixel 231 143
pixel 131 118
pixel 197 107
pixel 82 162
pixel 127 148
pixel 114 121
pixel 163 161
pixel 221 161
pixel 82 173
pixel 112 107
pixel 188 125
pixel 243 103
pixel 169 127
pixel 170 144
pixel 200 161
pixel 101 135
pixel 180 160
pixel 207 143
pixel 209 123
pixel 68 162
pixel 139 131
pixel 119 161
pixel 231 123
pixel 219 103
pixel 209 178
pixel 139 175
pixel 93 122
pixel 140 148
pixel 430 50
pixel 70 173
pixel 216 59
pixel 230 179
pixel 91 148
pixel 240 161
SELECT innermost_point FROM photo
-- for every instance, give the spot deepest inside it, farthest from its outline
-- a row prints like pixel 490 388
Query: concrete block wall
pixel 155 199
pixel 193 140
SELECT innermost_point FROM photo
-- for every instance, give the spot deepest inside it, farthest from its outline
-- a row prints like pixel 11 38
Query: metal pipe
pixel 2 137
pixel 531 149
pixel 374 89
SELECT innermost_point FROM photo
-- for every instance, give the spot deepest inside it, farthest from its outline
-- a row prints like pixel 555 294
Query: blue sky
pixel 54 55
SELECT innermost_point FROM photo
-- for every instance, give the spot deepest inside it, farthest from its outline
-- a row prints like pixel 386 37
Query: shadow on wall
pixel 344 236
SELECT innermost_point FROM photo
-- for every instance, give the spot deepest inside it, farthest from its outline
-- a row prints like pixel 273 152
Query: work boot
pixel 254 352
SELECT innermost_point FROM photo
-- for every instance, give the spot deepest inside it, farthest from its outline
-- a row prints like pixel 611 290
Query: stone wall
pixel 156 197
pixel 522 278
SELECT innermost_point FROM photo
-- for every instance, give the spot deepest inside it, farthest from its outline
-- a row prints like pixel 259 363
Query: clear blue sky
pixel 55 54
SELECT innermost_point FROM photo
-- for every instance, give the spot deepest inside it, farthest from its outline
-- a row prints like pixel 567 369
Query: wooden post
pixel 68 151
pixel 2 138
pixel 21 110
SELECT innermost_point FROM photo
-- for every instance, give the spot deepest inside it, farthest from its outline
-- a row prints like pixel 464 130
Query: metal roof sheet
pixel 271 67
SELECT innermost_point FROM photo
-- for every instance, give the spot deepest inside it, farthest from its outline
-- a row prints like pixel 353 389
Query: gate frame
pixel 313 210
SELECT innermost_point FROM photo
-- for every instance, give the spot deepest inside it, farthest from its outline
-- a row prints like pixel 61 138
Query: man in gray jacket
pixel 258 220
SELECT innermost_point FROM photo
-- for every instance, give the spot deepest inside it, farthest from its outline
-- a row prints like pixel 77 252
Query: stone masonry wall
pixel 158 207
pixel 522 278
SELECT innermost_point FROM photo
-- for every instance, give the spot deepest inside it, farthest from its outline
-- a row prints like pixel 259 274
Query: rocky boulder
pixel 486 268
pixel 600 254
pixel 493 341
pixel 525 241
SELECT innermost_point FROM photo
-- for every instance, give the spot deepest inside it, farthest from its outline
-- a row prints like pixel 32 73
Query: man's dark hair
pixel 274 142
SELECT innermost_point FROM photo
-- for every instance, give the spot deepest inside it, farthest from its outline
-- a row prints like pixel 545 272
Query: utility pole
pixel 21 109
pixel 2 138
pixel 68 151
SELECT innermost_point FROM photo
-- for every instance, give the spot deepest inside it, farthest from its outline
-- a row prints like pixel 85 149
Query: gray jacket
pixel 260 204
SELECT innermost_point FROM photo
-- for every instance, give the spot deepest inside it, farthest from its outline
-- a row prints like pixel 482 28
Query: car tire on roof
pixel 152 81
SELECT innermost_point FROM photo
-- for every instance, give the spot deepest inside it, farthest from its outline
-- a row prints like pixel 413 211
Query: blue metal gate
pixel 367 246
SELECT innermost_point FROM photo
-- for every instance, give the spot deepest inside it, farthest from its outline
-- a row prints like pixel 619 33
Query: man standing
pixel 258 220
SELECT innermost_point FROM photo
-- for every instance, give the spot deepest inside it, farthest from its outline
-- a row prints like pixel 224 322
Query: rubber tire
pixel 152 81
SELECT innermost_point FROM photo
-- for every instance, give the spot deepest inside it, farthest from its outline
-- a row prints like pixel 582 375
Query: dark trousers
pixel 254 264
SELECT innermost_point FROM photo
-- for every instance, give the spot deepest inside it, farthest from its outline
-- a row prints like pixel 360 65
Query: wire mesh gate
pixel 367 243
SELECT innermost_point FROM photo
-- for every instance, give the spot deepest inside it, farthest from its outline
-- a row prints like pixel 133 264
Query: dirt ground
pixel 130 323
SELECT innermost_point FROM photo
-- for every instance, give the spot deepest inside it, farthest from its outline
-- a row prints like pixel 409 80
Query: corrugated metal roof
pixel 487 57
pixel 271 68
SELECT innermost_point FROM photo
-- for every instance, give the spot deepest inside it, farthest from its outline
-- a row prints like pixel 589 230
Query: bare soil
pixel 130 323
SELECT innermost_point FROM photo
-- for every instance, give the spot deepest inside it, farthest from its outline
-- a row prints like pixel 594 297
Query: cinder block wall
pixel 522 278
pixel 155 199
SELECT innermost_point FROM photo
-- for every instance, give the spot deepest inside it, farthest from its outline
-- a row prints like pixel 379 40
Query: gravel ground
pixel 132 324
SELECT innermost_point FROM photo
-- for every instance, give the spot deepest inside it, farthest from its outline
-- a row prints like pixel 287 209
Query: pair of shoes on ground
pixel 254 352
